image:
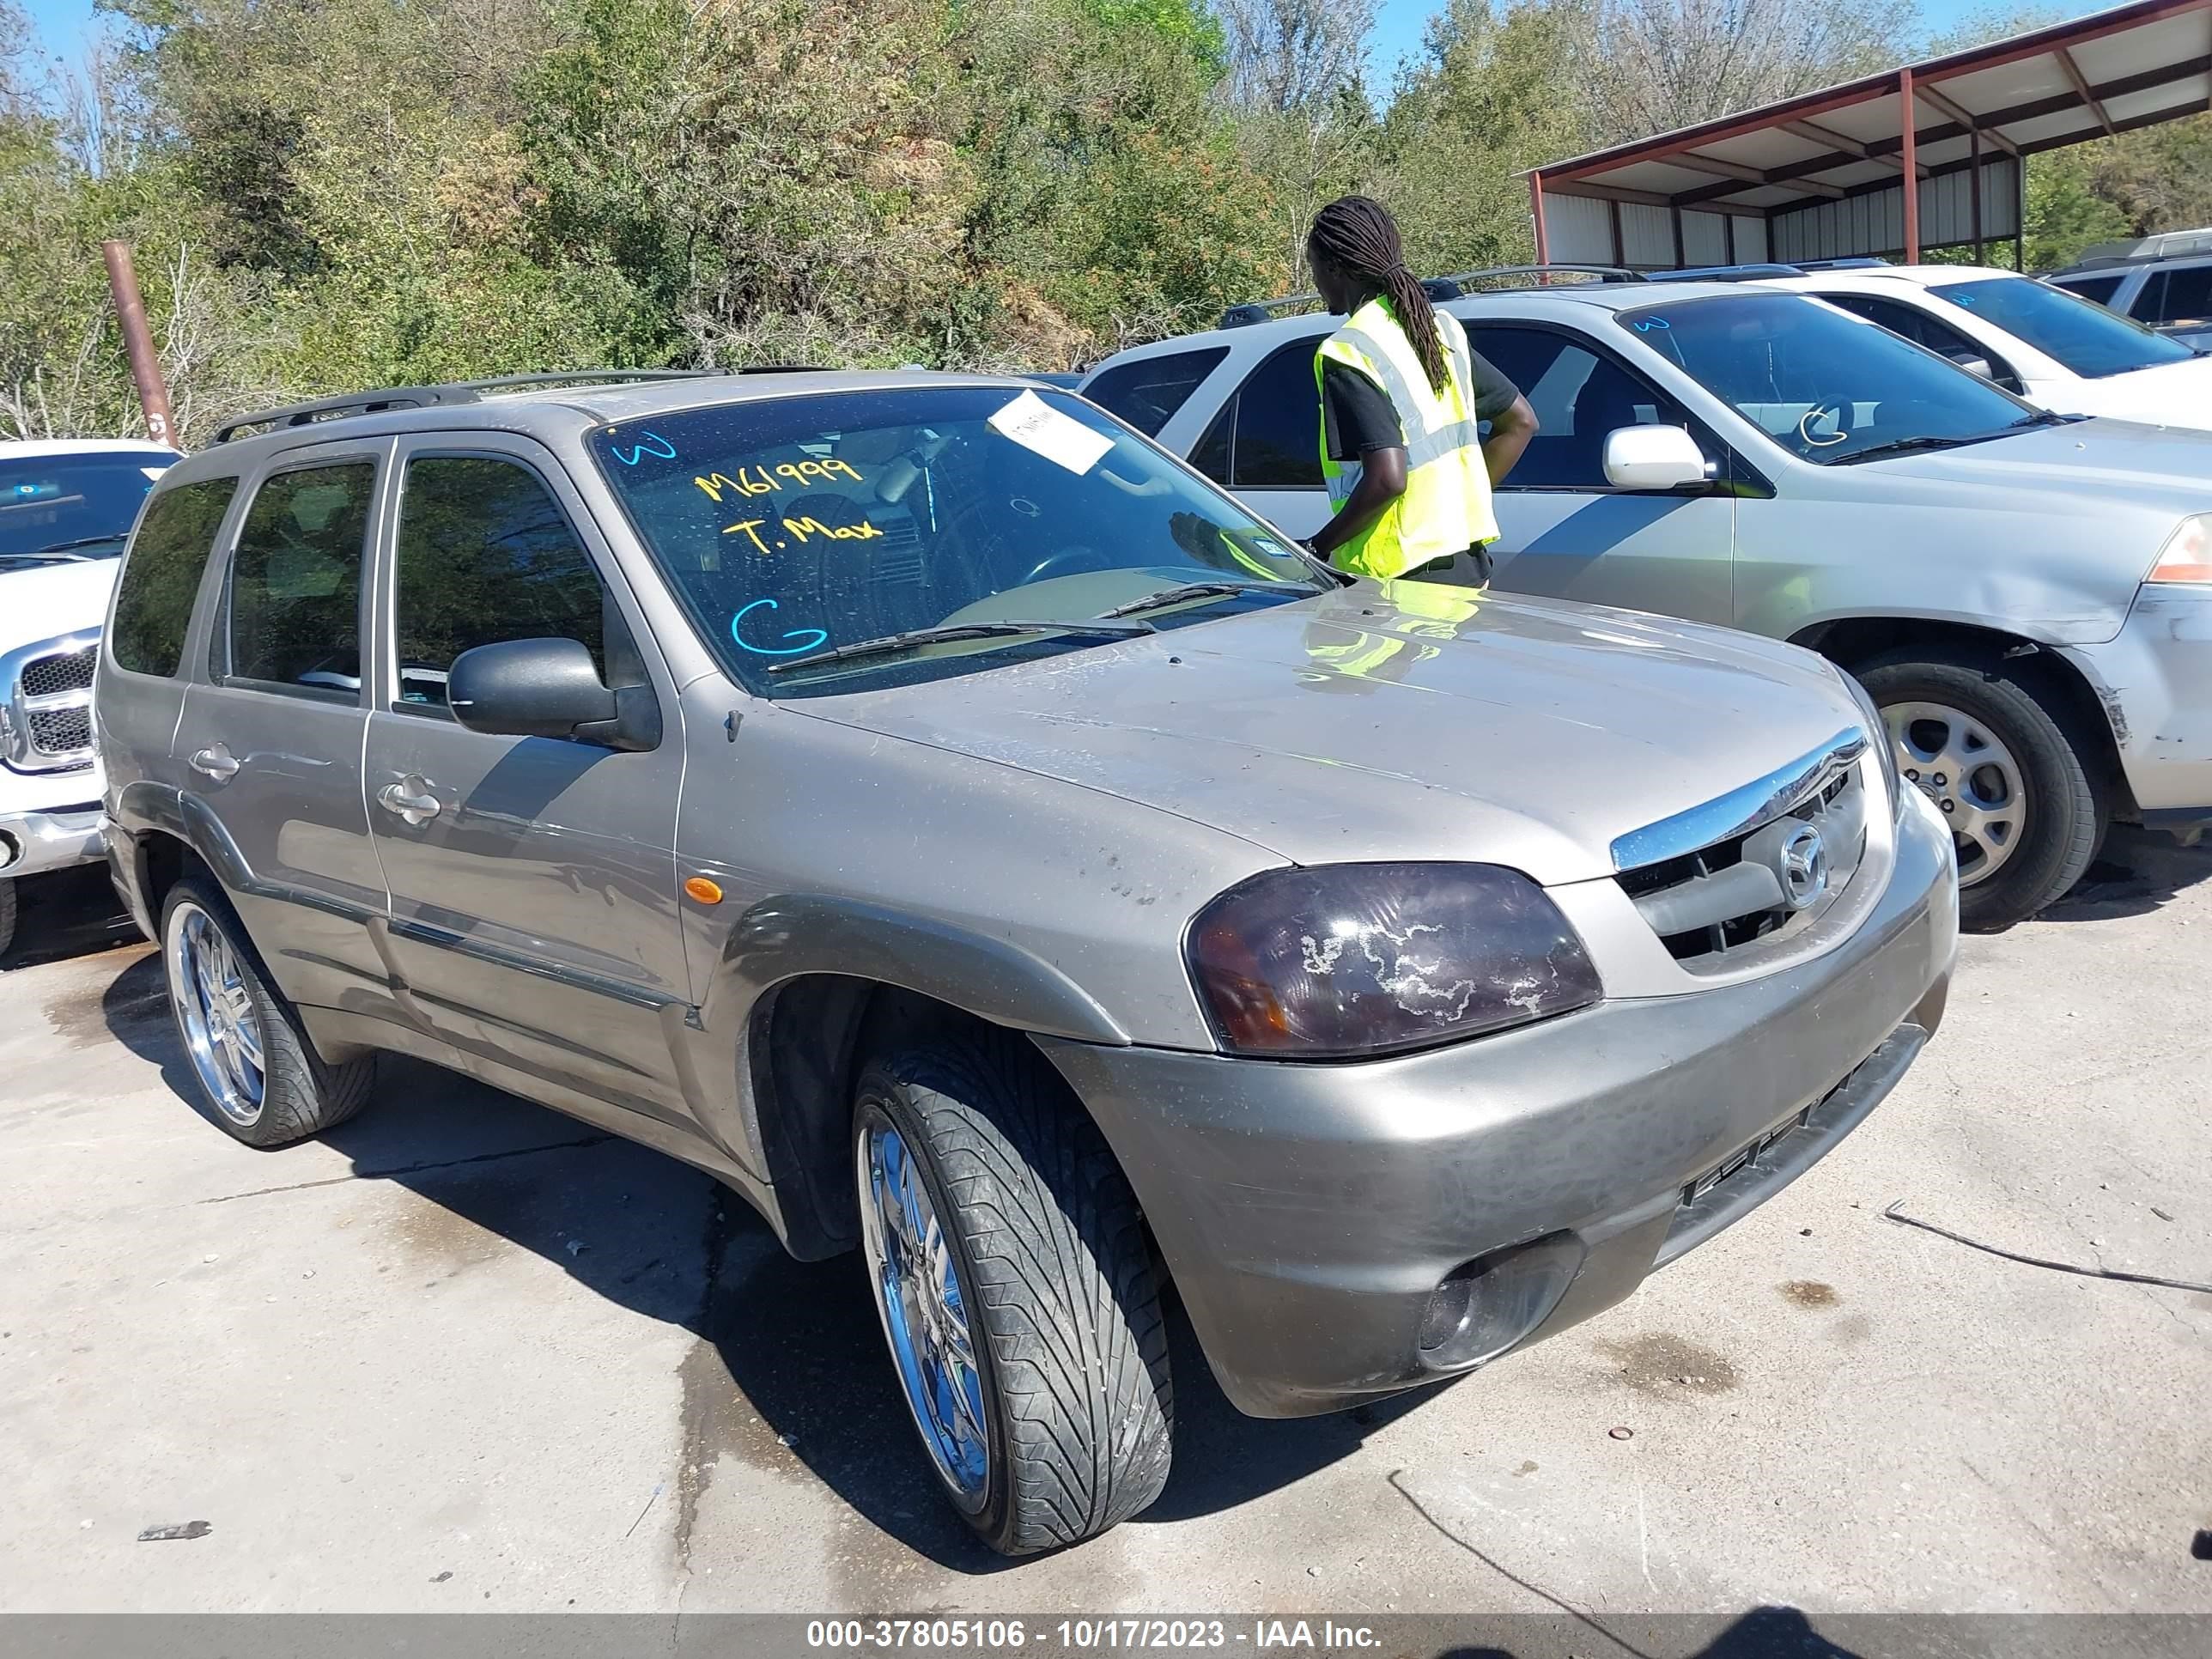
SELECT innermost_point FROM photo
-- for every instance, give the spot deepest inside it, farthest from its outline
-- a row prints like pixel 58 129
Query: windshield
pixel 1823 384
pixel 792 526
pixel 2080 334
pixel 72 507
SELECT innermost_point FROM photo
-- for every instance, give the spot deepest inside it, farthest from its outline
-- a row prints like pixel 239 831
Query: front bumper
pixel 32 842
pixel 1307 1212
pixel 2154 678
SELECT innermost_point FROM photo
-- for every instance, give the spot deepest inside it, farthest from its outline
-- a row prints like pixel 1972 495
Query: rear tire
pixel 1943 711
pixel 1059 1415
pixel 258 1077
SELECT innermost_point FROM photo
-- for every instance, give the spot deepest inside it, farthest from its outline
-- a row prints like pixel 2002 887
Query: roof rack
pixel 455 391
pixel 1542 275
pixel 1756 273
pixel 2146 250
pixel 1856 262
pixel 1440 289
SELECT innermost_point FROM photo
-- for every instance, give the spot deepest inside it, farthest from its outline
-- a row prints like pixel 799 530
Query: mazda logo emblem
pixel 1803 864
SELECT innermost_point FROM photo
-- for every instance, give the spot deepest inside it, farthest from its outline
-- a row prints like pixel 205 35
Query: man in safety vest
pixel 1401 396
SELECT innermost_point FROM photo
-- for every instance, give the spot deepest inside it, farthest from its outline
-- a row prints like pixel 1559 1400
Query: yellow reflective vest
pixel 1446 507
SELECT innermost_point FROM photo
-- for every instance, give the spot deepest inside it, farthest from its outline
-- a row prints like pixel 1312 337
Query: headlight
pixel 1374 958
pixel 2187 556
pixel 1877 730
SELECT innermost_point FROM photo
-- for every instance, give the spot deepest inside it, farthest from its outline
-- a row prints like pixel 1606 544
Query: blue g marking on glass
pixel 818 640
pixel 658 446
pixel 1649 323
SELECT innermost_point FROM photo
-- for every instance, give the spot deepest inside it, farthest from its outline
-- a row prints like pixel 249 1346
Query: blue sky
pixel 1397 29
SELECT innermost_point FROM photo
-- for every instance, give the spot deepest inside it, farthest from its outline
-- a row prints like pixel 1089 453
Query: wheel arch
pixel 808 1038
pixel 1854 642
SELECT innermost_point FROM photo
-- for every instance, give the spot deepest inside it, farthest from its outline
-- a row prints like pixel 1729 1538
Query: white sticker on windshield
pixel 1061 439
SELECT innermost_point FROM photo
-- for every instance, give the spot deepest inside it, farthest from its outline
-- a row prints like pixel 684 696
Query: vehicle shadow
pixel 66 914
pixel 2138 871
pixel 792 1363
pixel 1760 1633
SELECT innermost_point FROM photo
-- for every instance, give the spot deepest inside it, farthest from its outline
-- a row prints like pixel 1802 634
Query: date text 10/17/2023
pixel 1093 1635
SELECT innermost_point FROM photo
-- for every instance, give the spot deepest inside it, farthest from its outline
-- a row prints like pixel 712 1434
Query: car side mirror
pixel 548 689
pixel 1653 458
pixel 1973 363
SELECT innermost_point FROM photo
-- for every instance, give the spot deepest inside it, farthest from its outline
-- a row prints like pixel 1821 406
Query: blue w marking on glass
pixel 820 637
pixel 656 445
pixel 1650 323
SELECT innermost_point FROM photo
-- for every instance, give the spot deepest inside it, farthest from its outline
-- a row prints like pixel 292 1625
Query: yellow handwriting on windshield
pixel 762 481
pixel 804 528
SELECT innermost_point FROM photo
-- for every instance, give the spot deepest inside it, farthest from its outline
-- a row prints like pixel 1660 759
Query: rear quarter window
pixel 161 575
pixel 1147 392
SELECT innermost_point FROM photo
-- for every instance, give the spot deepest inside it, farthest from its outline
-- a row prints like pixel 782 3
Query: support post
pixel 138 341
pixel 1619 242
pixel 1909 162
pixel 1974 169
pixel 1536 218
pixel 1681 260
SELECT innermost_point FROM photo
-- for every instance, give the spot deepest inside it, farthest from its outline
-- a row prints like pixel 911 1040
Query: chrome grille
pixel 1755 882
pixel 47 676
pixel 46 704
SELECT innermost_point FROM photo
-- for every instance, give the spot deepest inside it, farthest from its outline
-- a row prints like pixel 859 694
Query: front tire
pixel 7 915
pixel 2028 810
pixel 1010 1269
pixel 260 1080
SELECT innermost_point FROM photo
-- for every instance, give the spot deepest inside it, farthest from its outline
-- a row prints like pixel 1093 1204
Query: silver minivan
pixel 987 847
pixel 2028 597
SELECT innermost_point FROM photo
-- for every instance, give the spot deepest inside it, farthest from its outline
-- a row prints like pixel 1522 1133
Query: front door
pixel 1563 529
pixel 271 744
pixel 533 916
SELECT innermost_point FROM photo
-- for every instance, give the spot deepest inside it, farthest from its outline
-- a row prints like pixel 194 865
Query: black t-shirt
pixel 1358 417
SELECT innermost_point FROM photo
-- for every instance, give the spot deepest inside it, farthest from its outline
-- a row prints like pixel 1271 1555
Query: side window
pixel 485 555
pixel 1277 443
pixel 293 609
pixel 2182 295
pixel 1922 329
pixel 1147 392
pixel 1212 455
pixel 1578 398
pixel 2100 288
pixel 161 575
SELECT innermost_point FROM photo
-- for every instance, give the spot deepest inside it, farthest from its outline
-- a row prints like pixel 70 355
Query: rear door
pixel 1265 443
pixel 271 744
pixel 532 889
pixel 1564 530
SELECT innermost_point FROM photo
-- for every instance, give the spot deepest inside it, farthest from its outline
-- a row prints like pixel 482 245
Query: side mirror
pixel 1652 457
pixel 1973 363
pixel 548 689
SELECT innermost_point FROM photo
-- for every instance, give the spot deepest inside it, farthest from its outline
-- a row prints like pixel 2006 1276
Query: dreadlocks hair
pixel 1357 234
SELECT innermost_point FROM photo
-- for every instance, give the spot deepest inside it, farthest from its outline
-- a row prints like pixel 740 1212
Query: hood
pixel 2168 468
pixel 47 599
pixel 2168 394
pixel 1397 721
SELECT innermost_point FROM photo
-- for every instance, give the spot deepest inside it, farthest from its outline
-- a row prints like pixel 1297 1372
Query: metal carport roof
pixel 1975 113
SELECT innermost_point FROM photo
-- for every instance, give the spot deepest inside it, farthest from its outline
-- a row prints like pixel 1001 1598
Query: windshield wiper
pixel 889 643
pixel 1167 596
pixel 64 550
pixel 1905 446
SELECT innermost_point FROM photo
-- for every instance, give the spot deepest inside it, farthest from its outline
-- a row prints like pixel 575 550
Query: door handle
pixel 217 762
pixel 407 804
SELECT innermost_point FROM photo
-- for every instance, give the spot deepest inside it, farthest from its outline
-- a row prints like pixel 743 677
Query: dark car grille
pixel 49 677
pixel 1702 911
pixel 61 730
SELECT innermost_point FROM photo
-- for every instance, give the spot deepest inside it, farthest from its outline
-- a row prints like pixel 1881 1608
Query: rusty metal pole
pixel 1910 159
pixel 139 341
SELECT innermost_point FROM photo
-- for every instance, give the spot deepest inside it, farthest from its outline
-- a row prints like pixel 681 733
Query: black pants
pixel 1481 555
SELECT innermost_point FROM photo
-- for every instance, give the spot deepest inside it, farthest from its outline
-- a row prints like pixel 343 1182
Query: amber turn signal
pixel 703 890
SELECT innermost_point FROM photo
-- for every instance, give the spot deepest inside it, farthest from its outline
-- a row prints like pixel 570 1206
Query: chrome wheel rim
pixel 925 1317
pixel 1962 766
pixel 215 1012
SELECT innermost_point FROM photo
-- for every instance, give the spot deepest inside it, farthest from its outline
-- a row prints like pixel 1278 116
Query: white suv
pixel 2027 595
pixel 65 509
pixel 2049 345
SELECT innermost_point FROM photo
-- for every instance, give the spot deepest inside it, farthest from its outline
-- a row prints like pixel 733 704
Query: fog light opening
pixel 1486 1306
